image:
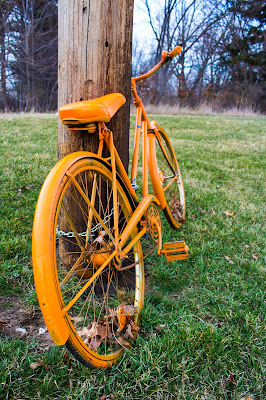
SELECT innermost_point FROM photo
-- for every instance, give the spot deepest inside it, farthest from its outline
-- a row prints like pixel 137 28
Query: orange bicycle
pixel 88 225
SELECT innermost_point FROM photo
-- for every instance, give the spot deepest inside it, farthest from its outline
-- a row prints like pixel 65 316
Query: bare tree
pixel 6 8
pixel 28 54
pixel 195 25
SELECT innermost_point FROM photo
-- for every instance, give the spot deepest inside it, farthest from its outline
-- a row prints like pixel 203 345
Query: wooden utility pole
pixel 95 47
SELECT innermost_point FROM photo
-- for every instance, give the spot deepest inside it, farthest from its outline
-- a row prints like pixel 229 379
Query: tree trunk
pixel 95 46
pixel 3 68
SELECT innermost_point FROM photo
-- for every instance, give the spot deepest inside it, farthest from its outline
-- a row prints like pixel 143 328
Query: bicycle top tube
pixel 166 56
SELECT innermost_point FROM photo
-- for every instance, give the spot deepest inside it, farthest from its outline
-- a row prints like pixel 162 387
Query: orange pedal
pixel 175 250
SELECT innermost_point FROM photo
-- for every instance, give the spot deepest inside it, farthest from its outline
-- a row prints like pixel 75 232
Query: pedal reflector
pixel 175 250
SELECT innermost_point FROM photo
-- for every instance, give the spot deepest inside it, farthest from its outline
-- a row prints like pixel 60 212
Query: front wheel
pixel 166 177
pixel 100 307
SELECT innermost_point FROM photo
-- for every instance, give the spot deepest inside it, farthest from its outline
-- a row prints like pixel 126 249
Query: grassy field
pixel 203 330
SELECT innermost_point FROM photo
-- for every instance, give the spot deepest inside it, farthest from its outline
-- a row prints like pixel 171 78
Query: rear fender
pixel 43 248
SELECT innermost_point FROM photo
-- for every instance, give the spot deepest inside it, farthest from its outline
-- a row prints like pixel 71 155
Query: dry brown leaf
pixel 123 342
pixel 160 328
pixel 100 238
pixel 110 333
pixel 261 317
pixel 176 208
pixel 101 331
pixel 134 327
pixel 95 343
pixel 38 363
pixel 129 310
pixel 247 397
pixel 3 323
pixel 19 218
pixel 92 331
pixel 232 380
pixel 228 214
pixel 255 257
pixel 66 357
pixel 84 332
pixel 89 333
pixel 23 188
pixel 128 333
pixel 112 313
pixel 120 293
pixel 247 246
pixel 76 319
pixel 228 259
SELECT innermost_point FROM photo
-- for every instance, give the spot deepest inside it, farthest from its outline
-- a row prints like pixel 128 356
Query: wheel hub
pixel 99 258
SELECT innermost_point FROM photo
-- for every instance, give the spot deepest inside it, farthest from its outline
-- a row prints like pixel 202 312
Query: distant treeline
pixel 223 61
pixel 28 55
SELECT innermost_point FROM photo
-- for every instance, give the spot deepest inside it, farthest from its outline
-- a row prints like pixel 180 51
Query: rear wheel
pixel 101 305
pixel 166 177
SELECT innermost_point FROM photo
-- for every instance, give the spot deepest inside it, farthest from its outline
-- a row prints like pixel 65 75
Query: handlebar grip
pixel 175 51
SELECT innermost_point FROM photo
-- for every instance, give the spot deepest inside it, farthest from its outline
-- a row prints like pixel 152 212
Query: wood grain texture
pixel 95 48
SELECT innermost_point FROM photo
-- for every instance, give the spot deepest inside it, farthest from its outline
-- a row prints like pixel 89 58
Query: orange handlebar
pixel 175 52
pixel 166 56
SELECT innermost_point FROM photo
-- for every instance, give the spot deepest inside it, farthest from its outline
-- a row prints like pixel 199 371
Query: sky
pixel 142 32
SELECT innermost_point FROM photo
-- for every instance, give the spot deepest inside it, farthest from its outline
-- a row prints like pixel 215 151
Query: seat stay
pixel 120 167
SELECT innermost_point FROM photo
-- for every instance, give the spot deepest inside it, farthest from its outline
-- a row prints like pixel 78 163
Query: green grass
pixel 213 308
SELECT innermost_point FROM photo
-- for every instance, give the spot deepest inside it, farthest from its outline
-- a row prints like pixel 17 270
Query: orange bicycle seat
pixel 96 110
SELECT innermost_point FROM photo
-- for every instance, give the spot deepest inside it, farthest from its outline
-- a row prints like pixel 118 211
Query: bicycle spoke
pixel 73 301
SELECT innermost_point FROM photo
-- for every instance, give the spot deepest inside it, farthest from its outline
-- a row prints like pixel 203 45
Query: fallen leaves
pixel 3 323
pixel 123 342
pixel 160 328
pixel 261 317
pixel 19 218
pixel 128 333
pixel 38 363
pixel 255 256
pixel 228 259
pixel 176 208
pixel 118 326
pixel 100 238
pixel 230 214
pixel 201 210
pixel 20 190
pixel 232 379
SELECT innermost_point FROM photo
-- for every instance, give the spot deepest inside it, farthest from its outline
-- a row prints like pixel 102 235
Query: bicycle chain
pixel 83 234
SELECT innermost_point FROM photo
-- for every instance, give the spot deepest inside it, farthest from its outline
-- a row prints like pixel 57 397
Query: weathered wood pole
pixel 95 48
